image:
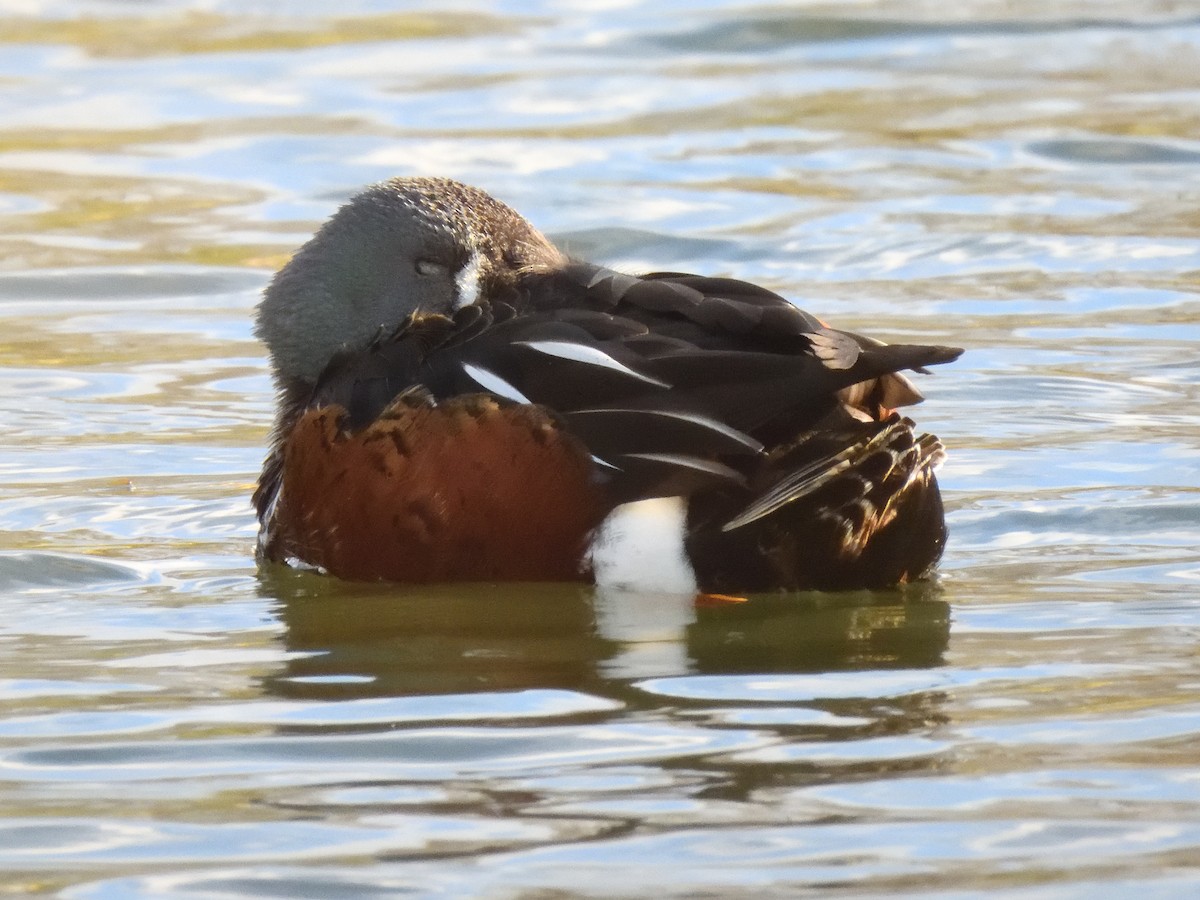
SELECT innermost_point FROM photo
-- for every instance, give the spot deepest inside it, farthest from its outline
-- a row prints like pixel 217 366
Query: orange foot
pixel 718 599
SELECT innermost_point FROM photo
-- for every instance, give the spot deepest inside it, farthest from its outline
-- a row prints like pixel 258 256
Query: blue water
pixel 1019 179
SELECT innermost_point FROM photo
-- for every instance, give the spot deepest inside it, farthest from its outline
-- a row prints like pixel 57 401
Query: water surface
pixel 1020 179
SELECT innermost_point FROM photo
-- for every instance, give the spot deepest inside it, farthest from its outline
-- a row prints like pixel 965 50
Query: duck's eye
pixel 430 267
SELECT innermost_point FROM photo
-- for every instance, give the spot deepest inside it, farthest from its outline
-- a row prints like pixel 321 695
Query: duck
pixel 458 400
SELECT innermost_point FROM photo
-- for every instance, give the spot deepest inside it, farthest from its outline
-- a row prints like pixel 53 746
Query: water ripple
pixel 414 755
pixel 1017 178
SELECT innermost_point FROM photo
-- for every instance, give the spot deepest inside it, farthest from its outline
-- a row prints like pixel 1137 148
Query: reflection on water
pixel 1018 178
pixel 353 640
pixel 365 641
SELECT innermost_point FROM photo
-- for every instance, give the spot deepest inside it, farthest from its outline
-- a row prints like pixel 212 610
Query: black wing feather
pixel 673 381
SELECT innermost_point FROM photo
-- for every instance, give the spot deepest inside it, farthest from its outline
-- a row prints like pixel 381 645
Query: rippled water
pixel 1020 178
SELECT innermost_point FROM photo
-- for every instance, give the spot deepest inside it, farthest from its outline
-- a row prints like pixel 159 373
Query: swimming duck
pixel 461 401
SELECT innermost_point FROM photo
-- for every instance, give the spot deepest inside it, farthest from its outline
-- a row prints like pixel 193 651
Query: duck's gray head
pixel 402 246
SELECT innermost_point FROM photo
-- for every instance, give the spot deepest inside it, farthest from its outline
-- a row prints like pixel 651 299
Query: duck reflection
pixel 822 632
pixel 353 640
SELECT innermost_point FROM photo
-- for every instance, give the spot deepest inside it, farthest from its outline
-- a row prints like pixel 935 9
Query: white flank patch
pixel 467 283
pixel 494 384
pixel 639 547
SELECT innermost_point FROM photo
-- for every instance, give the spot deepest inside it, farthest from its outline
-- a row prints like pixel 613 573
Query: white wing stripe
pixel 678 460
pixel 494 384
pixel 589 356
pixel 695 418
